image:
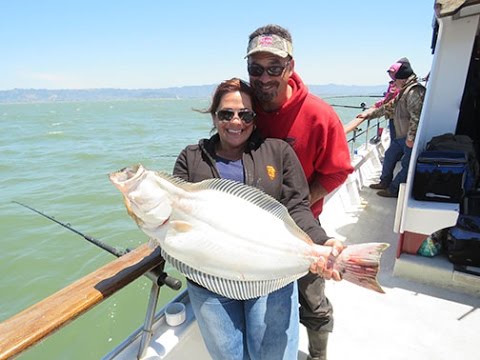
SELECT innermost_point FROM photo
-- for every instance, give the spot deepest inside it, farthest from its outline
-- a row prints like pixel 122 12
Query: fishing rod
pixel 362 106
pixel 156 275
pixel 352 96
pixel 90 239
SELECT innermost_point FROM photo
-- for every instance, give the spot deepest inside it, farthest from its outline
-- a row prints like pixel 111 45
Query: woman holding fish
pixel 236 222
pixel 264 327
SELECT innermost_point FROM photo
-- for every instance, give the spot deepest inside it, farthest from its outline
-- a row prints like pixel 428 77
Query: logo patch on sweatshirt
pixel 271 172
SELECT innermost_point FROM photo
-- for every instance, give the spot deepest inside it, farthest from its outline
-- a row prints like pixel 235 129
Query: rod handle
pixel 171 282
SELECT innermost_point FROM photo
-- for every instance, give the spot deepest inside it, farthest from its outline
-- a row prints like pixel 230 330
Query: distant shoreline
pixel 17 96
pixel 74 101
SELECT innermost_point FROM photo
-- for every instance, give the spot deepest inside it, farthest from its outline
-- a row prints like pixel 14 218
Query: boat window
pixel 434 35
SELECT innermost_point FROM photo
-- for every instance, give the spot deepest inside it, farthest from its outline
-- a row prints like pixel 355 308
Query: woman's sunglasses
pixel 274 70
pixel 246 116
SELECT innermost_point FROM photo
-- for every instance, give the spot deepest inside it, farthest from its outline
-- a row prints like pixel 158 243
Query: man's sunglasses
pixel 246 116
pixel 274 70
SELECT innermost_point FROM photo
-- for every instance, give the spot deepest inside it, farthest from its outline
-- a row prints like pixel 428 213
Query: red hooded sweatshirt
pixel 316 133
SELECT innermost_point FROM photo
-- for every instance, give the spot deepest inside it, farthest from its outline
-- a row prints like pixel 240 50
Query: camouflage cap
pixel 270 43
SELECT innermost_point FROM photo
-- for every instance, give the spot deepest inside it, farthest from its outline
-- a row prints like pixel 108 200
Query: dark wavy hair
pixel 225 87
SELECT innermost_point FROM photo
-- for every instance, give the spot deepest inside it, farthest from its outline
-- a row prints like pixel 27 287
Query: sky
pixel 80 44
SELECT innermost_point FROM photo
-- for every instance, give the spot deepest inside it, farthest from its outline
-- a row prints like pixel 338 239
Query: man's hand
pixel 336 244
pixel 366 114
pixel 324 267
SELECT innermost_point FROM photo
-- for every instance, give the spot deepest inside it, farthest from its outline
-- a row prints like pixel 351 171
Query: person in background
pixel 387 96
pixel 406 107
pixel 286 110
pixel 266 327
pixel 395 151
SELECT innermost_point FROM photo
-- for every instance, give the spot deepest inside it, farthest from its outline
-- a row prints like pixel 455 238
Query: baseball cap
pixel 270 43
pixel 400 70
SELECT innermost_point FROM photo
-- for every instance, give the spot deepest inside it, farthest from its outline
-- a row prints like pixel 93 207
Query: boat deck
pixel 413 319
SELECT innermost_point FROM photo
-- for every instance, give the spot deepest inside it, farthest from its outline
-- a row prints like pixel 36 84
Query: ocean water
pixel 55 157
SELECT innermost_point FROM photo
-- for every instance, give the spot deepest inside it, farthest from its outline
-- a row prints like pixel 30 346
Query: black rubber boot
pixel 317 344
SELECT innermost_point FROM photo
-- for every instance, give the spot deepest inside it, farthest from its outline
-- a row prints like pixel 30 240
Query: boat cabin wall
pixel 448 76
pixel 440 114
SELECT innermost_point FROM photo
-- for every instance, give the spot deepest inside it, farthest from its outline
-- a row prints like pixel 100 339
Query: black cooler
pixel 440 176
pixel 462 243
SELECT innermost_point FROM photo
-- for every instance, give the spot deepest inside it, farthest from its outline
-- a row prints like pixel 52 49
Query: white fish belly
pixel 234 239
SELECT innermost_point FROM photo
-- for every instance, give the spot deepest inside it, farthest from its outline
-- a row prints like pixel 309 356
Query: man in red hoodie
pixel 286 110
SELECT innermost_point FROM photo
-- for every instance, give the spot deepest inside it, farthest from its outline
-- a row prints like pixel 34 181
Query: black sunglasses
pixel 246 116
pixel 274 70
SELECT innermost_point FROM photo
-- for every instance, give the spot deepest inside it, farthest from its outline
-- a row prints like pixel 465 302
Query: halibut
pixel 232 239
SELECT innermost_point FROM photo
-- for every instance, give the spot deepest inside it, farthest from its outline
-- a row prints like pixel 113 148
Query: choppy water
pixel 56 157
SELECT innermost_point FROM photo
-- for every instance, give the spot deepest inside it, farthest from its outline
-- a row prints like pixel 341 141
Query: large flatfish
pixel 231 238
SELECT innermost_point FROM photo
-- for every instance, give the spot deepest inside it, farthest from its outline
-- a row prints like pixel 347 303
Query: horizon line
pixel 162 88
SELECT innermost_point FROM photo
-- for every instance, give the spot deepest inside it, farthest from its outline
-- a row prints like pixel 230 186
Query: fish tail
pixel 359 264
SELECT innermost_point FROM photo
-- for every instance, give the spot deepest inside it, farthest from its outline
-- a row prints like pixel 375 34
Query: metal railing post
pixel 358 132
pixel 159 278
pixel 149 317
pixel 352 145
pixel 367 132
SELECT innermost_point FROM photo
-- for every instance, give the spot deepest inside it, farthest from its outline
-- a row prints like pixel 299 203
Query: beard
pixel 265 96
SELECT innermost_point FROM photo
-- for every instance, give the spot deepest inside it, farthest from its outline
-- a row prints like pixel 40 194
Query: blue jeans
pixel 262 328
pixel 401 177
pixel 392 155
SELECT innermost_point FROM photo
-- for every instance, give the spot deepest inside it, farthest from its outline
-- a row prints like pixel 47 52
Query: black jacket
pixel 269 165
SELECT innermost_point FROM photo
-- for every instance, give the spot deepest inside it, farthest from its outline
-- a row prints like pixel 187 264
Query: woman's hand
pixel 324 266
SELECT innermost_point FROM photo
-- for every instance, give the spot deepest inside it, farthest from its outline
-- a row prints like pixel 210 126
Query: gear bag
pixel 446 170
pixel 463 241
pixel 440 176
pixel 462 143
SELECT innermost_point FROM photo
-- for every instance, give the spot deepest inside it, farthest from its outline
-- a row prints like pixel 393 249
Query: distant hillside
pixel 184 92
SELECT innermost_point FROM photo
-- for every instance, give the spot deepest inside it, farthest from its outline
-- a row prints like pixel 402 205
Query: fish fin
pixel 152 243
pixel 173 179
pixel 181 226
pixel 245 192
pixel 238 289
pixel 360 263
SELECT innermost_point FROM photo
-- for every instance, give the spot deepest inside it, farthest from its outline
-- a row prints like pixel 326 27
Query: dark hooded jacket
pixel 269 165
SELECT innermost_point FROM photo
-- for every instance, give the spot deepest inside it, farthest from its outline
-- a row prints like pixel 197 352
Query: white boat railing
pixel 360 136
